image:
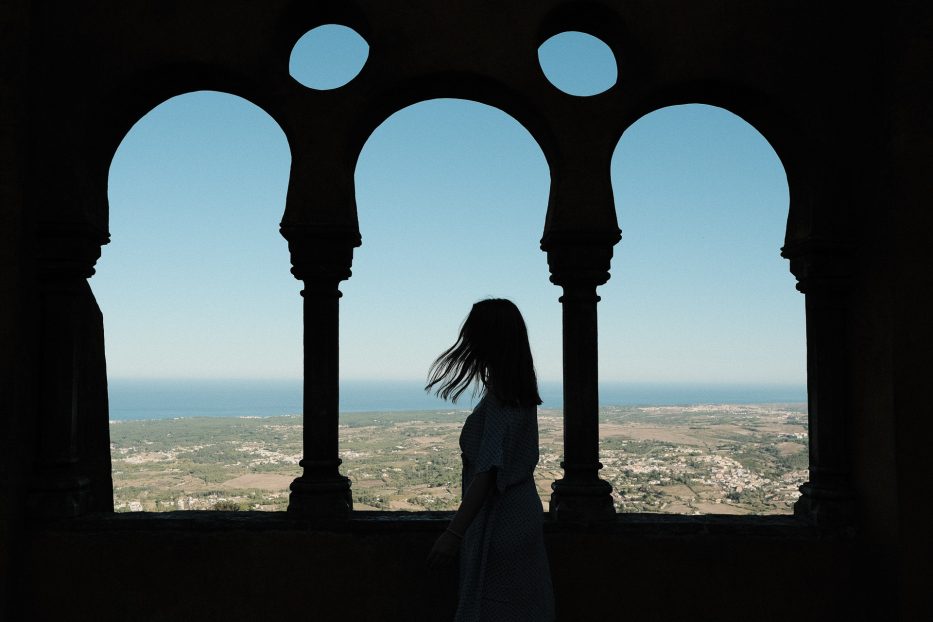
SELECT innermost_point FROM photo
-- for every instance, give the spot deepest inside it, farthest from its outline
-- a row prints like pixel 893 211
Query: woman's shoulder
pixel 494 402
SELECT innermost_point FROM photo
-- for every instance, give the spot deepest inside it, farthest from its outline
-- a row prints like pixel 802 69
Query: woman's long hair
pixel 491 350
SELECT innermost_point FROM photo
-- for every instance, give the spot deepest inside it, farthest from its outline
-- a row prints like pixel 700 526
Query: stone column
pixel 579 263
pixel 321 258
pixel 822 269
pixel 60 487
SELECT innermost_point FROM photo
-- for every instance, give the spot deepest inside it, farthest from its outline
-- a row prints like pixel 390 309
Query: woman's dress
pixel 504 573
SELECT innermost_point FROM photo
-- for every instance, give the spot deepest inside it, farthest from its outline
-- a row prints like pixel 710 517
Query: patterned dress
pixel 504 573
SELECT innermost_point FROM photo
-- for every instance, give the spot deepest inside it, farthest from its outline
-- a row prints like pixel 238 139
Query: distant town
pixel 699 459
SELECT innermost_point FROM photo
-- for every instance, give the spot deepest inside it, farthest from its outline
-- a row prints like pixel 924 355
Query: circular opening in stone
pixel 328 57
pixel 578 64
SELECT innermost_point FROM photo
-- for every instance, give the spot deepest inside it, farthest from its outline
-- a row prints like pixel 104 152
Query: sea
pixel 138 399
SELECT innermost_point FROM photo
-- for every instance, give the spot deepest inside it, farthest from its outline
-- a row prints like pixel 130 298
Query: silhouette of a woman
pixel 497 531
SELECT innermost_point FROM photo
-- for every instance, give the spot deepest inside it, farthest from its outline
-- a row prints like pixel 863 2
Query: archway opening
pixel 452 197
pixel 202 316
pixel 702 334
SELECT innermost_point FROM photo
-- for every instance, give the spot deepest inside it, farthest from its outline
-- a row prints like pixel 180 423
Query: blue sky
pixel 452 198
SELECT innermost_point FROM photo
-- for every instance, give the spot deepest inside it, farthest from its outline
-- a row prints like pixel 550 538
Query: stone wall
pixel 841 91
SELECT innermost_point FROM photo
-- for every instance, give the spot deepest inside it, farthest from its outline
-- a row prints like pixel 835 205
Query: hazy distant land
pixel 707 459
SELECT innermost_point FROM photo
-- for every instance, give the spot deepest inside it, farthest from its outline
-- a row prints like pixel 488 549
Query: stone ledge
pixel 624 525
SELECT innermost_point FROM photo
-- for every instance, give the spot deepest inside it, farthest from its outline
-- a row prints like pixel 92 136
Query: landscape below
pixel 700 459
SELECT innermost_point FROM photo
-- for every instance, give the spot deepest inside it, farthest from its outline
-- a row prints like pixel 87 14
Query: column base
pixel 320 498
pixel 582 501
pixel 825 507
pixel 58 495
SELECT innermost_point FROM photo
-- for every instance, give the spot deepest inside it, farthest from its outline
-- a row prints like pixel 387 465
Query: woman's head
pixel 492 348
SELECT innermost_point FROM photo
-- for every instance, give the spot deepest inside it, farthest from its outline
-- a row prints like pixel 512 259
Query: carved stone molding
pixel 68 251
pixel 324 496
pixel 321 253
pixel 579 257
pixel 579 262
pixel 321 257
pixel 823 271
pixel 65 254
pixel 820 265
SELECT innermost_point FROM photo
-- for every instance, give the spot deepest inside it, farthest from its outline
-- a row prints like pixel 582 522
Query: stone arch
pixel 236 226
pixel 156 359
pixel 455 84
pixel 335 203
pixel 70 238
pixel 854 79
pixel 461 222
pixel 819 251
pixel 138 95
pixel 491 126
pixel 326 131
pixel 773 121
pixel 739 206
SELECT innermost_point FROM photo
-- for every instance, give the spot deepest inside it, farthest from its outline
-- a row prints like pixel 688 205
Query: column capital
pixel 68 250
pixel 321 253
pixel 820 264
pixel 579 258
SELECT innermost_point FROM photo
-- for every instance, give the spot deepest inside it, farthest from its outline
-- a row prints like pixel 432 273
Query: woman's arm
pixel 447 545
pixel 473 500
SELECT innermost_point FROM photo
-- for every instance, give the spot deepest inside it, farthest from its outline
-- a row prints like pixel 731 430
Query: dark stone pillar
pixel 69 320
pixel 823 275
pixel 321 258
pixel 94 409
pixel 579 263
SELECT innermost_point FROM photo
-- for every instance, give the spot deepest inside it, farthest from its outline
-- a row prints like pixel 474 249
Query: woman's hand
pixel 445 551
pixel 447 547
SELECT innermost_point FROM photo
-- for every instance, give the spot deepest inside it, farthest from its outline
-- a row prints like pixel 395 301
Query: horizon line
pixel 547 381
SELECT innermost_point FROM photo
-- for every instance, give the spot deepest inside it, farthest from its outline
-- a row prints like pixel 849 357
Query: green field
pixel 711 459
